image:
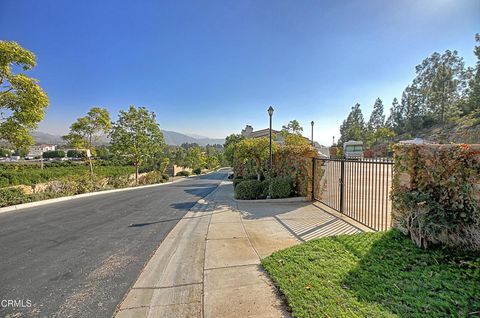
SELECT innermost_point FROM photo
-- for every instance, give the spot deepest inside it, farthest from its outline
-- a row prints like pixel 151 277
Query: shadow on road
pixel 200 192
pixel 183 205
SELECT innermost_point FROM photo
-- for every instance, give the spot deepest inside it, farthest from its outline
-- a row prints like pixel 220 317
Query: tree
pixel 255 152
pixel 441 81
pixel 5 152
pixel 411 103
pixel 22 100
pixel 377 118
pixel 103 152
pixel 195 158
pixel 87 130
pixel 353 128
pixel 382 134
pixel 293 127
pixel 396 120
pixel 137 136
pixel 230 145
pixel 474 96
pixel 212 162
pixel 176 155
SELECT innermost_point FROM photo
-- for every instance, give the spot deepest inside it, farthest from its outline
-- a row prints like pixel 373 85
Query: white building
pixel 38 150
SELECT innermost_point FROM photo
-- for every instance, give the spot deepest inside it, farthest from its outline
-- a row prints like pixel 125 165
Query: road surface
pixel 78 258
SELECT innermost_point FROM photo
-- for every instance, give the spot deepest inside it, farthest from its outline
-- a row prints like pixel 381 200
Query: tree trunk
pixel 136 174
pixel 92 176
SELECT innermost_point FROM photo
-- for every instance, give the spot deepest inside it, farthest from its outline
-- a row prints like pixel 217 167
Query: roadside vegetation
pixel 31 174
pixel 376 275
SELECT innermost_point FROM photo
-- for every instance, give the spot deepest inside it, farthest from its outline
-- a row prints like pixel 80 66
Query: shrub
pixel 74 154
pixel 154 177
pixel 249 190
pixel 265 188
pixel 281 187
pixel 435 195
pixel 12 196
pixel 197 171
pixel 237 180
pixel 54 154
pixel 118 181
pixel 83 183
pixel 183 173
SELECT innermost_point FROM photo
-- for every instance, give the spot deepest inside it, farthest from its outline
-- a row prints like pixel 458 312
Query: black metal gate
pixel 360 189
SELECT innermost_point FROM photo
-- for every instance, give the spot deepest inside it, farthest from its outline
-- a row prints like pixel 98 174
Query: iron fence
pixel 360 189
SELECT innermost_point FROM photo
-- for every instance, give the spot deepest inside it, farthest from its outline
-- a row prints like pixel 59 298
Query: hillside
pixel 176 139
pixel 466 130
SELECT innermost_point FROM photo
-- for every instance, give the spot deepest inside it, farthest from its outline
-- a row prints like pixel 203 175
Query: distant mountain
pixel 171 138
pixel 44 138
pixel 176 139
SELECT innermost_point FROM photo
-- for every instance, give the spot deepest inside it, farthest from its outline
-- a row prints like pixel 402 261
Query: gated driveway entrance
pixel 360 189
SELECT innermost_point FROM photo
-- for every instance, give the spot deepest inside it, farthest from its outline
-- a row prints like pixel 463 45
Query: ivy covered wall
pixel 436 194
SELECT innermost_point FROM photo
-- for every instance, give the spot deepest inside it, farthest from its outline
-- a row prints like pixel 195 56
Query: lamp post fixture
pixel 312 133
pixel 270 114
pixel 333 141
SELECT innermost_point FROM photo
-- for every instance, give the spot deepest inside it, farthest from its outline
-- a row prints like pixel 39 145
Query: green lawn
pixel 376 275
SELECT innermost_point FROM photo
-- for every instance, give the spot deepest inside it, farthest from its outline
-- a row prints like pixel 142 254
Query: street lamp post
pixel 270 114
pixel 312 133
pixel 313 167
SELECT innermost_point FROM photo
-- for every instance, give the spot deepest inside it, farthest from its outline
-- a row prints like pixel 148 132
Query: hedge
pixel 436 195
pixel 249 190
pixel 276 188
pixel 281 187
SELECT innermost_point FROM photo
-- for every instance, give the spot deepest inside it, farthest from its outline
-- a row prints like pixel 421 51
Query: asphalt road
pixel 78 258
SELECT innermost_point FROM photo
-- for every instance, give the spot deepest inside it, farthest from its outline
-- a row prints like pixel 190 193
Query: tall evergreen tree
pixel 441 82
pixel 396 120
pixel 411 102
pixel 377 118
pixel 474 97
pixel 353 128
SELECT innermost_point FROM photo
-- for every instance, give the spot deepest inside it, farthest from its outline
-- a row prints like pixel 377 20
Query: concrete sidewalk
pixel 209 264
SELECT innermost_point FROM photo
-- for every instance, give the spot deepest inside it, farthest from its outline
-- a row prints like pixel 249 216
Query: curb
pixel 283 200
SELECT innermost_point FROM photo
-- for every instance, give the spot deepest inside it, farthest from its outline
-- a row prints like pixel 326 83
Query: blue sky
pixel 211 67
